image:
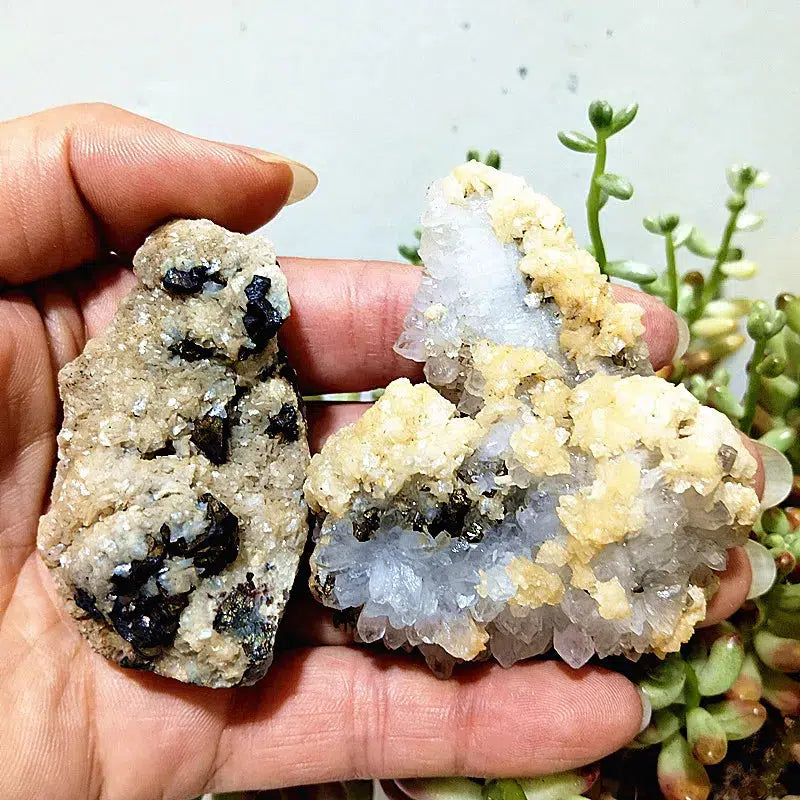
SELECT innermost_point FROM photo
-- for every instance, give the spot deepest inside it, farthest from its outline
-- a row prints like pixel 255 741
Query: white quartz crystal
pixel 544 488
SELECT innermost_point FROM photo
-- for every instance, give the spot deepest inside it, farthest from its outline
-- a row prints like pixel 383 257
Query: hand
pixel 81 182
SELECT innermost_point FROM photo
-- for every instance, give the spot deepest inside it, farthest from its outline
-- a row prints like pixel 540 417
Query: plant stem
pixel 593 203
pixel 750 399
pixel 714 282
pixel 672 272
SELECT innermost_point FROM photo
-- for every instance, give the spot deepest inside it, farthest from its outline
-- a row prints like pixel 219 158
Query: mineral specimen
pixel 178 519
pixel 544 488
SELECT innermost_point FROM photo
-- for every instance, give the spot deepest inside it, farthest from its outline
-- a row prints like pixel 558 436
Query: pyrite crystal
pixel 543 488
pixel 178 518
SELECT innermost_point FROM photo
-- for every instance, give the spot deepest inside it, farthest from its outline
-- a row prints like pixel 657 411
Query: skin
pixel 82 186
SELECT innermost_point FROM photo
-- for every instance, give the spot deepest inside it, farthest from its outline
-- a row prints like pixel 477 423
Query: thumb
pixel 78 181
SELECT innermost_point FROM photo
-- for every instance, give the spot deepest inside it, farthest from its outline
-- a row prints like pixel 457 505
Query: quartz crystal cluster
pixel 543 489
pixel 178 519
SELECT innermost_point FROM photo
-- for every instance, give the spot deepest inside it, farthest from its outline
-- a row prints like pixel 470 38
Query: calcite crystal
pixel 543 488
pixel 177 516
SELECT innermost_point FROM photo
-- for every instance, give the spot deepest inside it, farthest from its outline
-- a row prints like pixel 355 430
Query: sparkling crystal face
pixel 544 488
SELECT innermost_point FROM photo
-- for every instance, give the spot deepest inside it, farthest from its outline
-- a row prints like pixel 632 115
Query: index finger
pixel 79 181
pixel 347 315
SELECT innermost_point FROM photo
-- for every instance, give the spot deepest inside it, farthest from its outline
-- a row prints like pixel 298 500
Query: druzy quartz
pixel 543 488
pixel 177 517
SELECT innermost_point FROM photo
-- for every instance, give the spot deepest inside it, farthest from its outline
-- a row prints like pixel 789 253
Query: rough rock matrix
pixel 177 516
pixel 543 488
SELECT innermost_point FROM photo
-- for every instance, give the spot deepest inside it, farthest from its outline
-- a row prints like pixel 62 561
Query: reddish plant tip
pixel 783 693
pixel 777 652
pixel 680 775
pixel 683 787
pixel 785 562
pixel 590 775
pixel 710 749
pixel 745 687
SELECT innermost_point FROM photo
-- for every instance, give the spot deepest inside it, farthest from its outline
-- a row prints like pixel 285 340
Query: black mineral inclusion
pixel 210 436
pixel 284 425
pixel 239 614
pixel 188 281
pixel 148 620
pixel 189 350
pixel 261 319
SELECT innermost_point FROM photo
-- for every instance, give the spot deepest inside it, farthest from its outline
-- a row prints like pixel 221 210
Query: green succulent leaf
pixel 623 117
pixel 761 180
pixel 749 221
pixel 740 270
pixel 664 682
pixel 680 775
pixel 719 667
pixel 772 366
pixel 681 234
pixel 493 159
pixel 781 653
pixel 410 254
pixel 792 312
pixel 560 785
pixel 600 115
pixel 782 692
pixel 764 321
pixel 631 271
pixel 577 141
pixel 734 254
pixel 652 225
pixel 698 244
pixel 664 725
pixel 505 789
pixel 781 438
pixel 615 185
pixel 706 737
pixel 738 718
pixel 741 176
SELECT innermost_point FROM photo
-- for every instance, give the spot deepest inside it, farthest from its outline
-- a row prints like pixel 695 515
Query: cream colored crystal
pixel 554 492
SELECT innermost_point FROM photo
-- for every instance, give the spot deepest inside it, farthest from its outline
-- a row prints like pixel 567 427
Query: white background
pixel 381 97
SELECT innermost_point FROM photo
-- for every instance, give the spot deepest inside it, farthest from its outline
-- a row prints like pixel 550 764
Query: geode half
pixel 177 516
pixel 544 488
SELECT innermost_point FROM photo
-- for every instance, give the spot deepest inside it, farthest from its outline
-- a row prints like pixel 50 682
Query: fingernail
pixel 684 337
pixel 304 178
pixel 647 710
pixel 762 568
pixel 778 475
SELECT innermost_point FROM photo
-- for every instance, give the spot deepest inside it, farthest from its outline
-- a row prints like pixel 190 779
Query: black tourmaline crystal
pixel 184 281
pixel 148 621
pixel 261 319
pixel 284 424
pixel 210 436
pixel 217 546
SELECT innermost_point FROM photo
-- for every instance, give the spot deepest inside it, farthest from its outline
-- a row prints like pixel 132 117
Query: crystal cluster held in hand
pixel 178 518
pixel 543 488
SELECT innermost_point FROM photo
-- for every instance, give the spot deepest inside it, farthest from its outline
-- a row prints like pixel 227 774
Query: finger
pixel 734 584
pixel 306 623
pixel 347 315
pixel 735 579
pixel 326 418
pixel 81 180
pixel 381 716
pixel 661 324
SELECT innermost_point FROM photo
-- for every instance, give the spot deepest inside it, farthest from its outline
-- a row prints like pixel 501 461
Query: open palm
pixel 80 187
